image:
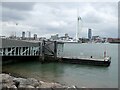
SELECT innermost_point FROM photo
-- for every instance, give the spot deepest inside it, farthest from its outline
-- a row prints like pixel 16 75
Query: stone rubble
pixel 7 81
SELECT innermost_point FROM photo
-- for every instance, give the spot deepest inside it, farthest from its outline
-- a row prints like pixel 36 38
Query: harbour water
pixel 74 74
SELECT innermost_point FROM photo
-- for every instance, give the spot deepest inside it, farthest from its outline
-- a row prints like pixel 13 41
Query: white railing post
pixel 2 51
pixel 14 51
pixel 18 51
pixel 6 51
pixel 21 51
pixel 11 51
pixel 28 51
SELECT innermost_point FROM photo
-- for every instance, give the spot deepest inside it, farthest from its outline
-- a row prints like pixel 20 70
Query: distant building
pixel 95 38
pixel 35 36
pixel 2 36
pixel 66 35
pixel 54 37
pixel 12 37
pixel 89 34
pixel 42 38
pixel 99 39
pixel 29 34
pixel 83 40
pixel 23 35
pixel 113 40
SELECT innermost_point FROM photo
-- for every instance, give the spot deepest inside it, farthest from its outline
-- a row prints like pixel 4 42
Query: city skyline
pixel 47 19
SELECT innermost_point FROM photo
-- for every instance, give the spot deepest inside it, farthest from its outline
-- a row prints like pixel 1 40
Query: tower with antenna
pixel 79 26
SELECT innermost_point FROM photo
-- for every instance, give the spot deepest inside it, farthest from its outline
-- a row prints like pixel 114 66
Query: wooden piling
pixel 43 50
pixel 55 50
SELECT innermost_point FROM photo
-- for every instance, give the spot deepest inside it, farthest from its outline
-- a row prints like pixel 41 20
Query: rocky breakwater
pixel 8 81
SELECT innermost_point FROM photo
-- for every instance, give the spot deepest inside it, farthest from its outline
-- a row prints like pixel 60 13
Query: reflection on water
pixel 73 74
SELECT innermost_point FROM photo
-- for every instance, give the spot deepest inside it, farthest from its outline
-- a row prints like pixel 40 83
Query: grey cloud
pixel 45 13
pixel 92 18
pixel 107 7
pixel 19 5
pixel 109 31
pixel 13 15
pixel 13 11
pixel 0 11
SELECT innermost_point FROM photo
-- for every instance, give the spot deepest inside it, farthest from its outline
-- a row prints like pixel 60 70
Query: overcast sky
pixel 46 19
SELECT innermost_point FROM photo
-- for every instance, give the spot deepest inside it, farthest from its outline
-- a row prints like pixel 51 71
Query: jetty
pixel 44 51
pixel 88 61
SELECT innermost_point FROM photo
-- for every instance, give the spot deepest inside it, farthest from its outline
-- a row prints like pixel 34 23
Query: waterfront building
pixel 23 35
pixel 54 37
pixel 66 35
pixel 95 37
pixel 84 40
pixel 2 36
pixel 89 34
pixel 29 34
pixel 42 38
pixel 35 36
pixel 113 40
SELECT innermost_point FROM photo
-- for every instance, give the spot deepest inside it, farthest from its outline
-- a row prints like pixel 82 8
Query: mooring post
pixel 55 50
pixel 39 53
pixel 43 50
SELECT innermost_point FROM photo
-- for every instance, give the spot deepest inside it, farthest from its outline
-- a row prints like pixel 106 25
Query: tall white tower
pixel 79 26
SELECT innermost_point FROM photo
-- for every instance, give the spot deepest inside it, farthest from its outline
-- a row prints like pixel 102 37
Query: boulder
pixel 32 82
pixel 56 85
pixel 37 87
pixel 6 78
pixel 29 86
pixel 7 81
pixel 0 78
pixel 13 86
pixel 22 86
pixel 4 86
pixel 20 80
